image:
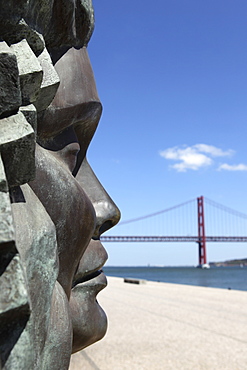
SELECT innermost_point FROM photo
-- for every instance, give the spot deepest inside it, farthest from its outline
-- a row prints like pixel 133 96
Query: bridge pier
pixel 201 233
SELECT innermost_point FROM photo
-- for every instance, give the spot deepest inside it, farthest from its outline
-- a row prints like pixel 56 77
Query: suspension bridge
pixel 199 220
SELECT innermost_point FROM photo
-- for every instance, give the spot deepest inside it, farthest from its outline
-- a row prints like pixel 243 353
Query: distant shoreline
pixel 230 263
pixel 221 276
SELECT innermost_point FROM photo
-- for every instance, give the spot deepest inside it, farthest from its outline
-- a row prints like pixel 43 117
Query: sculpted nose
pixel 107 213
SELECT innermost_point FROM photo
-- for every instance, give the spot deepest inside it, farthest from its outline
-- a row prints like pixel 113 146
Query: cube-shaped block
pixel 30 71
pixel 17 147
pixel 6 220
pixel 49 83
pixel 10 93
pixel 14 308
pixel 30 114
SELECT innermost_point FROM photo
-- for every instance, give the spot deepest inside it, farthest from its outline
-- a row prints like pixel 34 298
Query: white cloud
pixel 233 167
pixel 193 157
pixel 215 152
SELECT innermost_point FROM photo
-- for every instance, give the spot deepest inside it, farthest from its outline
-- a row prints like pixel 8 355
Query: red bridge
pixel 201 238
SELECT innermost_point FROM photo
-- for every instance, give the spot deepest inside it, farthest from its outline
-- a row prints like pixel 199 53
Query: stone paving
pixel 158 326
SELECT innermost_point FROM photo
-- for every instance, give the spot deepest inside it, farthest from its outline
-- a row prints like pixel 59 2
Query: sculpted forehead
pixel 76 101
pixel 55 26
pixel 62 23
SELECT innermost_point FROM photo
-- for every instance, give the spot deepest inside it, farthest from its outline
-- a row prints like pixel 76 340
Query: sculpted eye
pixel 69 155
pixel 64 147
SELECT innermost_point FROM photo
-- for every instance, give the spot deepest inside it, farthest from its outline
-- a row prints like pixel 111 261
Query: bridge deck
pixel 242 239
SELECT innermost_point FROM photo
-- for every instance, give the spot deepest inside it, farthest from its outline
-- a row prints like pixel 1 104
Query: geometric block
pixel 12 10
pixel 6 220
pixel 49 83
pixel 13 31
pixel 12 286
pixel 17 147
pixel 30 114
pixel 14 308
pixel 3 180
pixel 10 93
pixel 30 71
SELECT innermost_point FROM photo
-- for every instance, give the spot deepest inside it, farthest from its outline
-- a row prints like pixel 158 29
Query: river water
pixel 215 277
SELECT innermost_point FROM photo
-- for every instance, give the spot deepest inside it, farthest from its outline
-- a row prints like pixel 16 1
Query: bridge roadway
pixel 152 239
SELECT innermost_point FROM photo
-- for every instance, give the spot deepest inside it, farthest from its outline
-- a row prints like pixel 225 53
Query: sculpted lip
pixel 89 271
pixel 94 282
pixel 87 277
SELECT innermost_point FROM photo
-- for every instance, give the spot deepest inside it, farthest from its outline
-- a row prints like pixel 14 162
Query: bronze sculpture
pixel 51 256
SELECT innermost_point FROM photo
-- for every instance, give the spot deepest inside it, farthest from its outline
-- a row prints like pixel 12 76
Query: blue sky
pixel 172 77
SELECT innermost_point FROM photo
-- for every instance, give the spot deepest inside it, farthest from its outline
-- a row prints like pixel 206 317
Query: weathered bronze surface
pixel 53 209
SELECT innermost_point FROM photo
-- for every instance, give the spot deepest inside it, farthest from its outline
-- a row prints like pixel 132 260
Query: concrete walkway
pixel 157 326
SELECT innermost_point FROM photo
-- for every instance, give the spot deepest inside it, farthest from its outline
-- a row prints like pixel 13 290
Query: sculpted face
pixel 59 215
pixel 73 197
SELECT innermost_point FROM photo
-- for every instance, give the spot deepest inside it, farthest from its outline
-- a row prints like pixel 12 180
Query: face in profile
pixel 73 197
pixel 60 215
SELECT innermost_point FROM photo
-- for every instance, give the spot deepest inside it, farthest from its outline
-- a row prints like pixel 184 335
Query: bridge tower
pixel 201 232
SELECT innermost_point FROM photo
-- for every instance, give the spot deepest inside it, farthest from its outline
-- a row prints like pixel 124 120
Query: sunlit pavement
pixel 169 326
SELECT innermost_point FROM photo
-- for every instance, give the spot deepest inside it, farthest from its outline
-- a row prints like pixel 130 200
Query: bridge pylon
pixel 201 232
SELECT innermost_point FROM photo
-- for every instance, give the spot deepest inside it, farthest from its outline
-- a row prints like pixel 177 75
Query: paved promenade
pixel 159 326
